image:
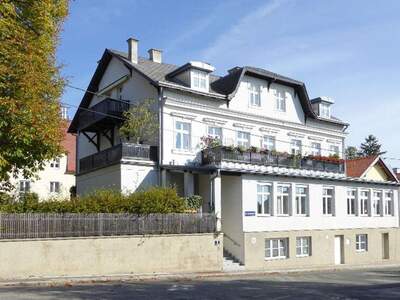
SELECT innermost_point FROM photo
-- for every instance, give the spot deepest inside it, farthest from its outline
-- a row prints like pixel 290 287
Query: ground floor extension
pixel 320 248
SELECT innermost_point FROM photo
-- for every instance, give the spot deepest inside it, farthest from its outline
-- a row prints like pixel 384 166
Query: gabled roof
pixel 222 88
pixel 360 166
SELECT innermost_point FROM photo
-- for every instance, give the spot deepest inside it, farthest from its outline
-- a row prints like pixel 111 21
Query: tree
pixel 351 152
pixel 30 85
pixel 141 122
pixel 371 146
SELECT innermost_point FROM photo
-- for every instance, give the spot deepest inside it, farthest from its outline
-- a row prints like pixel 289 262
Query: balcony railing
pixel 216 155
pixel 105 110
pixel 115 154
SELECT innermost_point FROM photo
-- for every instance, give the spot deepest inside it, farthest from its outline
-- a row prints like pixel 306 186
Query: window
pixel 54 187
pixel 303 246
pixel 215 132
pixel 24 186
pixel 243 139
pixel 276 248
pixel 325 110
pixel 327 201
pixel 388 203
pixel 376 203
pixel 351 201
pixel 280 101
pixel 264 198
pixel 254 95
pixel 64 112
pixel 334 150
pixel 316 149
pixel 55 163
pixel 282 197
pixel 301 200
pixel 295 146
pixel 182 135
pixel 364 197
pixel 199 80
pixel 268 142
pixel 361 242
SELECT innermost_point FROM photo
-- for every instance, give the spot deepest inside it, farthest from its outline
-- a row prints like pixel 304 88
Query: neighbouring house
pixel 266 158
pixel 57 179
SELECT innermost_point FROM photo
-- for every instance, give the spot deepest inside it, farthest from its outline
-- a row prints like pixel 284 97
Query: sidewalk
pixel 69 280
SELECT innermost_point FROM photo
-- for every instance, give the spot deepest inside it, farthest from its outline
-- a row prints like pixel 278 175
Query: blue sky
pixel 347 50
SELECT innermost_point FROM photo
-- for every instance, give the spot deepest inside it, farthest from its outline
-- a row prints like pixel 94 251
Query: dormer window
pixel 199 80
pixel 254 95
pixel 280 99
pixel 325 110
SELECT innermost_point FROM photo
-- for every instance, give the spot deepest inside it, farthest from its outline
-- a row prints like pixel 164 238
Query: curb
pixel 80 280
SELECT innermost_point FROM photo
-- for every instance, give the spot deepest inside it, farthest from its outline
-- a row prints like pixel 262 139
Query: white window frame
pixel 334 150
pixel 361 243
pixel 55 187
pixel 298 200
pixel 324 110
pixel 24 186
pixel 351 201
pixel 281 247
pixel 326 198
pixel 212 131
pixel 303 246
pixel 388 203
pixel 280 99
pixel 262 196
pixel 364 202
pixel 182 132
pixel 243 138
pixel 268 142
pixel 254 95
pixel 280 199
pixel 55 163
pixel 296 146
pixel 376 202
pixel 199 80
pixel 64 112
pixel 316 149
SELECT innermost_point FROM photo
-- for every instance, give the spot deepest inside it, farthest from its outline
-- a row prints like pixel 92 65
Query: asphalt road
pixel 349 284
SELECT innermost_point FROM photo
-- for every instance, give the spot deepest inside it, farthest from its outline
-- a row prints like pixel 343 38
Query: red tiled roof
pixel 357 167
pixel 69 145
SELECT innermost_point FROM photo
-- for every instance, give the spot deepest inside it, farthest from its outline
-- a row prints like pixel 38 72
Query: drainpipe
pixel 217 213
pixel 160 131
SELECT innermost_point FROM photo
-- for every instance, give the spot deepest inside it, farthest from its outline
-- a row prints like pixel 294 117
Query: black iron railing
pixel 106 109
pixel 115 154
pixel 214 156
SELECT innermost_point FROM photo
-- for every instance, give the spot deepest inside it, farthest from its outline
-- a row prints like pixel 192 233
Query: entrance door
pixel 339 249
pixel 385 245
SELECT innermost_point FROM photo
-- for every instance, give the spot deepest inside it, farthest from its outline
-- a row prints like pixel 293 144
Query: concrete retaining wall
pixel 110 255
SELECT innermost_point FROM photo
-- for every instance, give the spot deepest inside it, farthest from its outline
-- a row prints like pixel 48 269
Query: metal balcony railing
pixel 105 110
pixel 115 154
pixel 214 156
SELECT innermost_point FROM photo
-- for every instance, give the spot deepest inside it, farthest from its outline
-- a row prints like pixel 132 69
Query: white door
pixel 338 250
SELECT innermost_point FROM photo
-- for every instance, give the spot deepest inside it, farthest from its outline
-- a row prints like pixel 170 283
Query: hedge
pixel 154 200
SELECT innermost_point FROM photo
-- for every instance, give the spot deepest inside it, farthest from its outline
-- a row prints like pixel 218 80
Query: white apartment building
pixel 277 182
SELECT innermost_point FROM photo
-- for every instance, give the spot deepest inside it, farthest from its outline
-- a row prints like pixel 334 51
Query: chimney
pixel 155 55
pixel 133 50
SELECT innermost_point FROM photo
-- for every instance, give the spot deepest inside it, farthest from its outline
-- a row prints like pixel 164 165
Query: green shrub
pixel 154 200
pixel 194 202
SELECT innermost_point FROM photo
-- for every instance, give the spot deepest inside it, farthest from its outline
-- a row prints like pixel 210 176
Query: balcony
pixel 117 153
pixel 102 115
pixel 216 155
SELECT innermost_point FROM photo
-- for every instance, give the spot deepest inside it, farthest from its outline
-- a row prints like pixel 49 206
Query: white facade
pixel 51 182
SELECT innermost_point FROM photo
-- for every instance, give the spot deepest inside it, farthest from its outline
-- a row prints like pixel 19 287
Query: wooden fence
pixel 49 225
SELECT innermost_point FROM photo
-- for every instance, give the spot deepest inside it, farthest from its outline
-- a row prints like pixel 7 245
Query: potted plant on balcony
pixel 141 123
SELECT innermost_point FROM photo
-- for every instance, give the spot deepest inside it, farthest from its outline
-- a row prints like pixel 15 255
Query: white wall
pixel 315 220
pixel 201 114
pixel 240 102
pixel 137 177
pixel 41 184
pixel 104 178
